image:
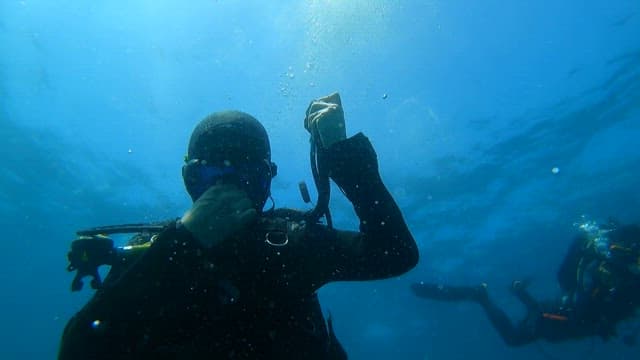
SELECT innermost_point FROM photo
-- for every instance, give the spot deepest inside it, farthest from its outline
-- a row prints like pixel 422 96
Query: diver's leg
pixel 519 289
pixel 448 293
pixel 512 335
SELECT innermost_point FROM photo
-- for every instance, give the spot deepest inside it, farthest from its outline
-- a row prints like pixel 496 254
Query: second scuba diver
pixel 600 282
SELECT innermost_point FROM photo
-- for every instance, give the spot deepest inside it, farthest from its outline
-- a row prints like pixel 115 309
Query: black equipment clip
pixel 86 255
pixel 93 248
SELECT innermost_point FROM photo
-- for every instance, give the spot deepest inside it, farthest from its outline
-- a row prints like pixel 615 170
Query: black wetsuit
pixel 591 306
pixel 249 298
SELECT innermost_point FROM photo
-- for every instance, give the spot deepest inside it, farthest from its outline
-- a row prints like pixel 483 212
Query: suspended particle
pixel 555 170
pixel 384 96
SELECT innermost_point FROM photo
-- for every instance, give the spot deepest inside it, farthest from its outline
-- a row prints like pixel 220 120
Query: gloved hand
pixel 220 212
pixel 325 120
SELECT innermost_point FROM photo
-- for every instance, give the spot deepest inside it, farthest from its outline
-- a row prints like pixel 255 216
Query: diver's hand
pixel 220 212
pixel 325 120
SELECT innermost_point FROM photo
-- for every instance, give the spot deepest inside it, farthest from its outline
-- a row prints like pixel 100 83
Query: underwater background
pixel 499 125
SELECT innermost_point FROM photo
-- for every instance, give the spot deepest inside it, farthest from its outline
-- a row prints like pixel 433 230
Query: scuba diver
pixel 229 279
pixel 600 282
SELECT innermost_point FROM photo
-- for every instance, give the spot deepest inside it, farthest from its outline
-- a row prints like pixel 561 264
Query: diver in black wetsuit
pixel 600 281
pixel 231 281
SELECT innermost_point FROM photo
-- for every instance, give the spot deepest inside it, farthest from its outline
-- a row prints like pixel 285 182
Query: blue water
pixel 483 100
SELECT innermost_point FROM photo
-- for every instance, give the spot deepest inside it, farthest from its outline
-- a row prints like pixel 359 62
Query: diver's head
pixel 229 147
